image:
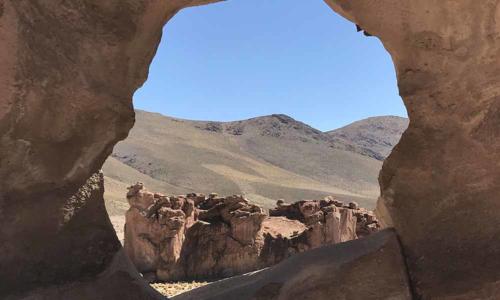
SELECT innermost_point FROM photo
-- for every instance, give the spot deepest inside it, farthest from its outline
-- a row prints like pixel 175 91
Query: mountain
pixel 264 158
pixel 374 136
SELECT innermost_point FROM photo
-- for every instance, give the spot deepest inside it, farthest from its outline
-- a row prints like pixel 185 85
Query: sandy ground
pixel 176 288
pixel 118 224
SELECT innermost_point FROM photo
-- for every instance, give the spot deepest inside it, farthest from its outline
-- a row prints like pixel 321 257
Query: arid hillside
pixel 374 136
pixel 264 158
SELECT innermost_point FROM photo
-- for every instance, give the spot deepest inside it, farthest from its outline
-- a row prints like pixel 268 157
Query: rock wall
pixel 447 59
pixel 197 237
pixel 69 69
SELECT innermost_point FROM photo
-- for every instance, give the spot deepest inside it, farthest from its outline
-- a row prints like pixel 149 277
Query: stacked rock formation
pixel 194 236
pixel 329 221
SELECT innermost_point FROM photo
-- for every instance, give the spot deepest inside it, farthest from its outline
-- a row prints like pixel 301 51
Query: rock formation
pixel 69 69
pixel 329 220
pixel 197 237
pixel 370 268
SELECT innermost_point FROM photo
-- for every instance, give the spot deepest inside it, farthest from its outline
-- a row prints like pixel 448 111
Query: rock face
pixel 447 59
pixel 197 237
pixel 369 268
pixel 69 69
pixel 329 220
pixel 73 241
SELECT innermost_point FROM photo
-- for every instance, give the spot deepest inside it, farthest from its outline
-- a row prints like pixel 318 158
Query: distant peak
pixel 283 118
pixel 272 116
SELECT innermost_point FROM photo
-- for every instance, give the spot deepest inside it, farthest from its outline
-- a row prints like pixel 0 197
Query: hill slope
pixel 376 135
pixel 264 158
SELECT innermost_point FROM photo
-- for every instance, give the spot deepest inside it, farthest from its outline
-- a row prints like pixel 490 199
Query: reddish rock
pixel 329 220
pixel 198 237
pixel 155 229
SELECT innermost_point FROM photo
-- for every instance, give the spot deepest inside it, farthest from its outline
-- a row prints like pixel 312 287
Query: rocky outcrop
pixel 329 219
pixel 191 236
pixel 155 228
pixel 197 237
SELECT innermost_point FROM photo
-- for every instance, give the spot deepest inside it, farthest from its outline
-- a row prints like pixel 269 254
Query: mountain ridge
pixel 337 137
pixel 376 135
pixel 264 158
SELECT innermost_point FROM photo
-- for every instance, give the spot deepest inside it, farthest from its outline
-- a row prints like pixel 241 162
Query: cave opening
pixel 252 100
pixel 69 72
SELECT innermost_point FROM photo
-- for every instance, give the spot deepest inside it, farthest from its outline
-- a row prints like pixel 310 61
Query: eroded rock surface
pixel 94 246
pixel 69 69
pixel 329 220
pixel 197 237
pixel 369 268
pixel 172 238
pixel 447 59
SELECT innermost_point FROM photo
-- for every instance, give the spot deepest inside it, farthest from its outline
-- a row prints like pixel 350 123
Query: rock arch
pixel 69 69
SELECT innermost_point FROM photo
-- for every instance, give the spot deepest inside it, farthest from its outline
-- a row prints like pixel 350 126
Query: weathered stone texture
pixel 197 237
pixel 447 59
pixel 69 69
pixel 369 268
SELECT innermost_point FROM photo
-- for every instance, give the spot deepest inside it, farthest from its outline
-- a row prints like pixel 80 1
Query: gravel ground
pixel 175 288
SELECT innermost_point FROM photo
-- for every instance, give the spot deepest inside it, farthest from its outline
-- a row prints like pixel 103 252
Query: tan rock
pixel 275 226
pixel 370 268
pixel 155 230
pixel 332 225
pixel 69 70
pixel 353 205
pixel 225 236
pixel 447 60
pixel 66 100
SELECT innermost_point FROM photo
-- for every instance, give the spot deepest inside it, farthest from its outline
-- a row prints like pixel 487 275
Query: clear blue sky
pixel 240 59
